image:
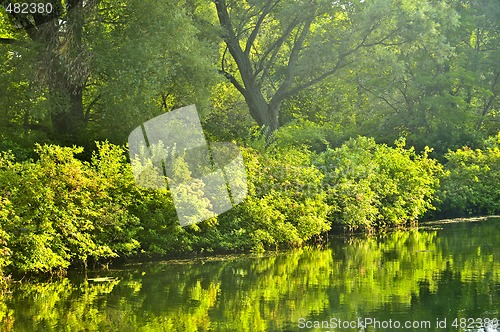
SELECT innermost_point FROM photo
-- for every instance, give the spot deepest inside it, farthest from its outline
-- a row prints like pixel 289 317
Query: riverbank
pixel 59 211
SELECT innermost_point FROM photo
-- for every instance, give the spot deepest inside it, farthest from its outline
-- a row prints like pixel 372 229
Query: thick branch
pixel 256 103
pixel 274 48
pixel 229 76
pixel 378 96
pixel 233 81
pixel 265 11
pixel 318 79
pixel 340 64
pixel 284 89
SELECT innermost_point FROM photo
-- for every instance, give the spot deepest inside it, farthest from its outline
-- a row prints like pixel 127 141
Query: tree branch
pixel 234 81
pixel 284 89
pixel 274 48
pixel 318 79
pixel 229 76
pixel 378 96
pixel 164 100
pixel 265 11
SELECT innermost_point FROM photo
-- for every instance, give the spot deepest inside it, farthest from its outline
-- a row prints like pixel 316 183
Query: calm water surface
pixel 444 271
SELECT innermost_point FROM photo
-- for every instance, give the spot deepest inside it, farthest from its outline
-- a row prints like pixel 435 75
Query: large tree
pixel 99 68
pixel 442 89
pixel 275 49
pixel 439 88
pixel 63 60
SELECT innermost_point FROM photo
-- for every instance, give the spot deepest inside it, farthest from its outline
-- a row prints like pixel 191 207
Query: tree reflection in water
pixel 451 272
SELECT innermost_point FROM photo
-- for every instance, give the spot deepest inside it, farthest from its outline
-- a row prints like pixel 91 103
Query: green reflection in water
pixel 447 271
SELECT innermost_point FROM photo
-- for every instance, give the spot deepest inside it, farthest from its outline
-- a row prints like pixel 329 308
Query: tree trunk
pixel 62 65
pixel 266 114
pixel 70 79
pixel 67 114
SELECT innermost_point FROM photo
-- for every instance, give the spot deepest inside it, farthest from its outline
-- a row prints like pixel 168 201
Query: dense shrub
pixel 471 185
pixel 4 237
pixel 285 204
pixel 284 208
pixel 160 232
pixel 59 210
pixel 373 185
pixel 14 148
pixel 300 133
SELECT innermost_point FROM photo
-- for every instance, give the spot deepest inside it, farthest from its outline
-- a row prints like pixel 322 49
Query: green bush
pixel 160 232
pixel 471 185
pixel 14 148
pixel 5 252
pixel 60 210
pixel 285 205
pixel 300 133
pixel 284 208
pixel 373 185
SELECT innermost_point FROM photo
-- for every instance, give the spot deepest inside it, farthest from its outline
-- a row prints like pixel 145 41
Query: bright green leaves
pixel 60 210
pixel 471 185
pixel 286 205
pixel 372 185
pixel 5 251
pixel 7 33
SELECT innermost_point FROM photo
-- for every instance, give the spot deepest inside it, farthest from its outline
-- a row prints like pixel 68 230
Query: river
pixel 445 276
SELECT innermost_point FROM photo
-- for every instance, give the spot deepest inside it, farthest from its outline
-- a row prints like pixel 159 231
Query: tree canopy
pixel 428 70
pixel 95 69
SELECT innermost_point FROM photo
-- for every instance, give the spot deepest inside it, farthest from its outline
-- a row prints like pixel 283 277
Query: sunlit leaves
pixel 471 184
pixel 60 210
pixel 370 185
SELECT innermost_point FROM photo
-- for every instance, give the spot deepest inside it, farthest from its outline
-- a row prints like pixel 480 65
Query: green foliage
pixel 154 63
pixel 302 133
pixel 425 70
pixel 18 151
pixel 285 206
pixel 228 118
pixel 436 81
pixel 373 185
pixel 161 232
pixel 60 210
pixel 5 252
pixel 95 70
pixel 472 182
